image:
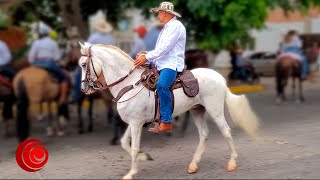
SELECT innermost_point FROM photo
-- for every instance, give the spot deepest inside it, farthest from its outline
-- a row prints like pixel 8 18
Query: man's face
pixel 161 16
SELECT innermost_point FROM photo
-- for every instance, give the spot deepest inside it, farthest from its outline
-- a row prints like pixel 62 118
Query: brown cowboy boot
pixel 63 92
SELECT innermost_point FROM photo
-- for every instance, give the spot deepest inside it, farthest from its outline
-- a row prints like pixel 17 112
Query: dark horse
pixel 7 95
pixel 285 68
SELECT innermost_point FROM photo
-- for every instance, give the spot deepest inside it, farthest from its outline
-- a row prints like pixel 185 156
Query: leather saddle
pixel 149 79
pixel 185 80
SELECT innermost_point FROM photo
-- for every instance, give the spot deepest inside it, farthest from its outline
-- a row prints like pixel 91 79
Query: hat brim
pixel 168 11
pixel 107 28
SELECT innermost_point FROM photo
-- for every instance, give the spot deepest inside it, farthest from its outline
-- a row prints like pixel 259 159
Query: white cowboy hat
pixel 43 28
pixel 167 7
pixel 103 26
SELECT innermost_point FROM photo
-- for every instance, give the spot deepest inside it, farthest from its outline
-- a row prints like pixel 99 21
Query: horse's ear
pixel 82 45
pixel 83 49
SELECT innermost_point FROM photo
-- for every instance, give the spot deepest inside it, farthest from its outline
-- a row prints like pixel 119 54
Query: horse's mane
pixel 116 49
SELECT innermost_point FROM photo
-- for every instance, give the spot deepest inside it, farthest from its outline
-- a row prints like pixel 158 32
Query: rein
pixel 97 85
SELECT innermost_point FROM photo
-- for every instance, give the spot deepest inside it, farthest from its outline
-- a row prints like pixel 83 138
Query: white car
pixel 263 62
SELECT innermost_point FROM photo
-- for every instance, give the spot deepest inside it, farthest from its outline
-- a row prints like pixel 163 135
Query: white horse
pixel 115 64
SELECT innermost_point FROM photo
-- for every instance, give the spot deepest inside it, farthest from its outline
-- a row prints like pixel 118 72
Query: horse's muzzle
pixel 87 88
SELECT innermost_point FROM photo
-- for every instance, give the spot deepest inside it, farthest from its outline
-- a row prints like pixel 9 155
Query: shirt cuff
pixel 149 57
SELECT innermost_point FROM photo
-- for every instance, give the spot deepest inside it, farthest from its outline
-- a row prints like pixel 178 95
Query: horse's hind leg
pixel 301 91
pixel 293 89
pixel 199 118
pixel 217 114
pixel 50 131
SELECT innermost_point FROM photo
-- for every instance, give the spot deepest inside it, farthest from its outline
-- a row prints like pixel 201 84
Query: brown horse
pixel 33 86
pixel 285 68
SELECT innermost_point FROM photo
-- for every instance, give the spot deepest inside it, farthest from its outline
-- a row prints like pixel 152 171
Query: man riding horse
pixel 291 46
pixel 168 56
pixel 5 60
pixel 44 53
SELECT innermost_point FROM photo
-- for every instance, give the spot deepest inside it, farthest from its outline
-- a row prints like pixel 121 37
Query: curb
pixel 246 88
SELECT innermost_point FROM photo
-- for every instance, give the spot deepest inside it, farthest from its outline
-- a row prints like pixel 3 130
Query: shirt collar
pixel 171 20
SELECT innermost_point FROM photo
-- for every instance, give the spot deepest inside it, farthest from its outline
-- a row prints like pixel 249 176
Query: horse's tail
pixel 241 113
pixel 23 124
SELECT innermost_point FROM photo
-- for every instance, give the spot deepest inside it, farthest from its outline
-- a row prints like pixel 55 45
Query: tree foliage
pixel 218 24
pixel 212 24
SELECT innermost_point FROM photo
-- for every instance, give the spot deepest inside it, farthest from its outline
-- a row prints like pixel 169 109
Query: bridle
pixel 97 85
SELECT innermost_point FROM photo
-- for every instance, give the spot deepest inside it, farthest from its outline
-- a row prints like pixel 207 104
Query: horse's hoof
pixel 192 169
pixel 127 177
pixel 232 166
pixel 144 157
pixel 50 132
pixel 278 101
pixel 113 142
pixel 60 133
pixel 62 121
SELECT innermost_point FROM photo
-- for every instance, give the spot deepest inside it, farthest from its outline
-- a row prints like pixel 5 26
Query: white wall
pixel 269 38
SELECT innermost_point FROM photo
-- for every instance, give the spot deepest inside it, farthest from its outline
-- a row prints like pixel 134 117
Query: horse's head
pixel 91 67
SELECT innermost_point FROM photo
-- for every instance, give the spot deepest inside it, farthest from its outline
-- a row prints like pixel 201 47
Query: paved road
pixel 289 148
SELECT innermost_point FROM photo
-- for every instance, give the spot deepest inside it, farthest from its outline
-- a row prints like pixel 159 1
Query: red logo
pixel 31 155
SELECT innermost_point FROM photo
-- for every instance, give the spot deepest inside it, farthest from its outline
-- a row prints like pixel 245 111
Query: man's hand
pixel 142 52
pixel 140 60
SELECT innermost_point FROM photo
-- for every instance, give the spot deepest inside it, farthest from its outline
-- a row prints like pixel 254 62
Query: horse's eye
pixel 83 65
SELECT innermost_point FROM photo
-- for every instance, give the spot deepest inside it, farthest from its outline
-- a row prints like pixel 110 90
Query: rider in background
pixel 292 46
pixel 44 53
pixel 5 60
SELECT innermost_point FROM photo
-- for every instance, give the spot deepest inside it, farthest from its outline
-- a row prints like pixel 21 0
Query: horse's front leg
pixel 125 144
pixel 135 148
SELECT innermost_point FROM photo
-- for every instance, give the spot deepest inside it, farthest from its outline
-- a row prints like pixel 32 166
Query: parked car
pixel 263 62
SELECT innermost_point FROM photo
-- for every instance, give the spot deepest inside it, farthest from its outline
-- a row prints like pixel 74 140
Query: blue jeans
pixel 7 70
pixel 165 81
pixel 52 67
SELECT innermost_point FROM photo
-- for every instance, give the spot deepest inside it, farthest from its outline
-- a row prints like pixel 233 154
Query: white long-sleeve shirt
pixel 170 47
pixel 44 48
pixel 5 55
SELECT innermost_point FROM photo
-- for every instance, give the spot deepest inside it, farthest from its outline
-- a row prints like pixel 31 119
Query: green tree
pixel 218 24
pixel 62 14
